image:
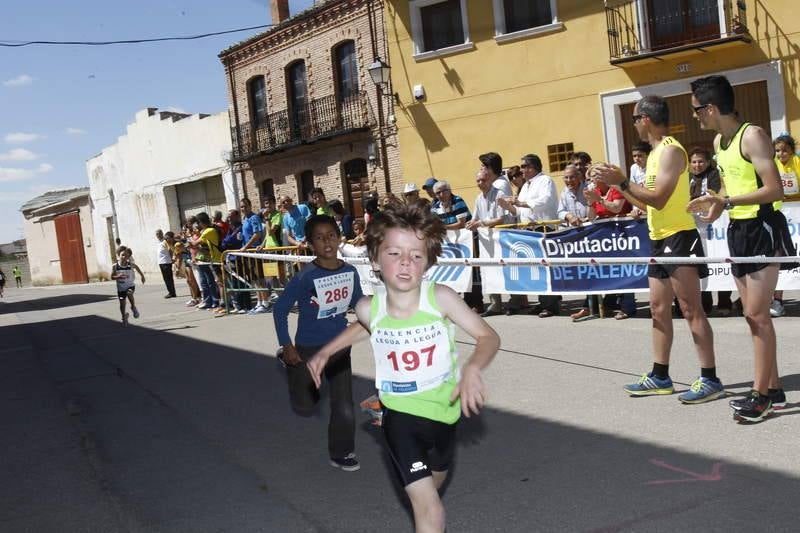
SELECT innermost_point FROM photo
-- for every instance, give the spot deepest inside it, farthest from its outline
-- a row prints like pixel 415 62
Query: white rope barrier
pixel 547 262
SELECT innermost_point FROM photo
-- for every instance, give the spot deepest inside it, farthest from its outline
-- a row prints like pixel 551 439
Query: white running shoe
pixel 776 309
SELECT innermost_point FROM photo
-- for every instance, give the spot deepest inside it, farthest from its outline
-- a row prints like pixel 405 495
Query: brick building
pixel 304 109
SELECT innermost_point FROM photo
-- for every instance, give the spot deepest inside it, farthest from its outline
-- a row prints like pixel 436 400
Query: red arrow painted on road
pixel 714 475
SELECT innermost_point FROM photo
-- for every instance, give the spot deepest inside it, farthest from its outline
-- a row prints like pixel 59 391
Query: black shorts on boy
pixel 418 446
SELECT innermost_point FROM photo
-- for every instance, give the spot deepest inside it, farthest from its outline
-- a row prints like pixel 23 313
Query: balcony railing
pixel 639 29
pixel 316 120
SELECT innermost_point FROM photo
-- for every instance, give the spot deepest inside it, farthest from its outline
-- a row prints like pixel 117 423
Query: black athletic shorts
pixel 682 244
pixel 766 236
pixel 124 294
pixel 418 446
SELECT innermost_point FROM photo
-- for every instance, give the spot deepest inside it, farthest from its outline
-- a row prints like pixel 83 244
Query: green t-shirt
pixel 275 221
pixel 415 358
pixel 325 210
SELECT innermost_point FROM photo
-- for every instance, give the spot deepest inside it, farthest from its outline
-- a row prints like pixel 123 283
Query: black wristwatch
pixel 625 184
pixel 728 204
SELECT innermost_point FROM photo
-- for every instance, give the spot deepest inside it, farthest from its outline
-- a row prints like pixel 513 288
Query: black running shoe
pixel 738 403
pixel 776 396
pixel 348 463
pixel 755 410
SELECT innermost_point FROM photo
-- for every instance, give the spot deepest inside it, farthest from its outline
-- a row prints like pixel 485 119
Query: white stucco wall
pixel 40 235
pixel 157 152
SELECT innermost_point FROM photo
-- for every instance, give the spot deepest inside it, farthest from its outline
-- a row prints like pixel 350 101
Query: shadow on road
pixel 53 302
pixel 191 435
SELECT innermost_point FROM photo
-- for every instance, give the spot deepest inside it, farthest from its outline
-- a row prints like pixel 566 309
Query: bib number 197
pixel 411 359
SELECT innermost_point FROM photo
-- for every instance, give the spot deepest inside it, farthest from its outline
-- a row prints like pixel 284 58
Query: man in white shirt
pixel 488 214
pixel 164 258
pixel 540 200
pixel 537 201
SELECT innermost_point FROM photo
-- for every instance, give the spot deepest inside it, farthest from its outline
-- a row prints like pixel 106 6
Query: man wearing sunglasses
pixel 745 158
pixel 673 233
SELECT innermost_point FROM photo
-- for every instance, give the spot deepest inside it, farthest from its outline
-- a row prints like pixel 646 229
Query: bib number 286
pixel 336 294
pixel 411 359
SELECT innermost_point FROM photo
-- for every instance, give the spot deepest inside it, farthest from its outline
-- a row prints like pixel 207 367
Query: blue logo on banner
pixel 523 244
pixel 443 274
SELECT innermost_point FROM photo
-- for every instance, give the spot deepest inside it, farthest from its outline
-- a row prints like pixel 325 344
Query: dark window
pixel 267 189
pixel 298 97
pixel 258 101
pixel 441 25
pixel 306 182
pixel 346 70
pixel 524 14
pixel 676 22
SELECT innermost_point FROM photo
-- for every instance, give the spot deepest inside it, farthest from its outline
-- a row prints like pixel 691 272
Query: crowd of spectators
pixel 522 195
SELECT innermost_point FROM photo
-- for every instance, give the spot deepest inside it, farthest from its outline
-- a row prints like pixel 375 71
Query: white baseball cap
pixel 410 187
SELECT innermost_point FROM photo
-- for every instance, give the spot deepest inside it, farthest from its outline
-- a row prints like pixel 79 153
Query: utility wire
pixel 17 44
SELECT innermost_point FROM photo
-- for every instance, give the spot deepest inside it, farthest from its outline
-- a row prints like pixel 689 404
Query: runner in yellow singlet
pixel 746 161
pixel 673 233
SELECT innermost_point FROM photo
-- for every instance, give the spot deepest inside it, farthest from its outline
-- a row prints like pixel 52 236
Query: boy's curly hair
pixel 410 217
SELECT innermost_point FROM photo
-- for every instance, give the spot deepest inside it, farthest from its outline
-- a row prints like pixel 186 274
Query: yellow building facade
pixel 552 76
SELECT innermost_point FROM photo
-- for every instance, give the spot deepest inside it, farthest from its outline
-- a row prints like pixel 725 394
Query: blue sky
pixel 61 105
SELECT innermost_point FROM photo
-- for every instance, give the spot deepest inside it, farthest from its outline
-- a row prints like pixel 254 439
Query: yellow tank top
pixel 673 217
pixel 738 174
pixel 790 170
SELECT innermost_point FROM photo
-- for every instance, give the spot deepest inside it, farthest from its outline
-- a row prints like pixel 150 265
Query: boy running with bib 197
pixel 410 324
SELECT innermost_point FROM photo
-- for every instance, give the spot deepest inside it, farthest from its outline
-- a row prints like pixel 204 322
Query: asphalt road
pixel 181 422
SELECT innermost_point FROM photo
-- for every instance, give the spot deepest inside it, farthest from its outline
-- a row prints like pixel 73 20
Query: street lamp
pixel 380 73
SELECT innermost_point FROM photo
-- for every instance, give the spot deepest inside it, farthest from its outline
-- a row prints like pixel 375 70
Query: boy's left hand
pixel 471 389
pixel 142 280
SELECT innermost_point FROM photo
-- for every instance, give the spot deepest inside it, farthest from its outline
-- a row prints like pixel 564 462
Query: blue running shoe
pixel 650 385
pixel 703 390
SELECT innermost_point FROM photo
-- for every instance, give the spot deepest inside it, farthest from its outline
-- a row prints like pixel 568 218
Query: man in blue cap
pixel 429 183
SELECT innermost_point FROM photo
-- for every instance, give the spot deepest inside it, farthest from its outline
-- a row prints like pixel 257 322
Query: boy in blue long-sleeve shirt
pixel 324 290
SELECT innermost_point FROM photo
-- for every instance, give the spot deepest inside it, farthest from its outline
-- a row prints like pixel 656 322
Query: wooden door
pixel 751 101
pixel 678 22
pixel 70 248
pixel 356 186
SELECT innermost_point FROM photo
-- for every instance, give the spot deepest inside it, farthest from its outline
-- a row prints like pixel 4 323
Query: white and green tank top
pixel 415 358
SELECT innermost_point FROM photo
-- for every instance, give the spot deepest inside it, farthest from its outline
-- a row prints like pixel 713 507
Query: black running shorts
pixel 418 446
pixel 682 244
pixel 765 236
pixel 124 294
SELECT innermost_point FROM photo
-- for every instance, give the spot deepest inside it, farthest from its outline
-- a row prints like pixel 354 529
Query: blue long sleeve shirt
pixel 323 297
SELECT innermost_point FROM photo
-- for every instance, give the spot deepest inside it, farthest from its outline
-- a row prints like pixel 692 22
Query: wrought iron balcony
pixel 639 29
pixel 318 119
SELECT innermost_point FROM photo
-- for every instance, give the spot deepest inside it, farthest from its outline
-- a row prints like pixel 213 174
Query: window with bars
pixel 559 156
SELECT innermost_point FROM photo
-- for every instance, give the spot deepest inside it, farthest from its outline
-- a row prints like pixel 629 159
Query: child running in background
pixel 122 272
pixel 410 323
pixel 324 290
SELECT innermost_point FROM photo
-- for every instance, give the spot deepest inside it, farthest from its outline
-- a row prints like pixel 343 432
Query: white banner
pixel 457 244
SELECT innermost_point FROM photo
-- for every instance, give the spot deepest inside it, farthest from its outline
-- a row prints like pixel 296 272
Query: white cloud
pixel 19 137
pixel 16 174
pixel 18 154
pixel 75 131
pixel 19 81
pixel 21 174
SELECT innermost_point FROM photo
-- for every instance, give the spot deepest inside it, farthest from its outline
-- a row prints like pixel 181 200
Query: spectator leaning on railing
pixel 573 208
pixel 452 210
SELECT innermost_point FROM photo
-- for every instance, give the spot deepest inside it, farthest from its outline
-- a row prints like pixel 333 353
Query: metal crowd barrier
pixel 248 271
